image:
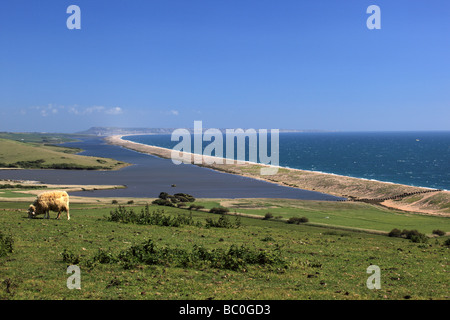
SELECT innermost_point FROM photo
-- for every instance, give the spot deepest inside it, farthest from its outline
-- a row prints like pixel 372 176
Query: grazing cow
pixel 51 200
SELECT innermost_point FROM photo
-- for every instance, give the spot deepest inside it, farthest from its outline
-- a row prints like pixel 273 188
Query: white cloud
pixel 114 111
pixel 45 111
pixel 53 110
pixel 95 109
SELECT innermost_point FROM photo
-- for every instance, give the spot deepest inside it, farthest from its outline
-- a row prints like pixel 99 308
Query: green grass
pixel 38 156
pixel 36 137
pixel 321 263
pixel 14 194
pixel 346 214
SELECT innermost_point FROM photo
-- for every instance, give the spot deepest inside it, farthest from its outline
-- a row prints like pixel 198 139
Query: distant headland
pixel 110 131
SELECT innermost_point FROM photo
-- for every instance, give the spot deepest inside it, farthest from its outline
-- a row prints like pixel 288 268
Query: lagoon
pixel 149 175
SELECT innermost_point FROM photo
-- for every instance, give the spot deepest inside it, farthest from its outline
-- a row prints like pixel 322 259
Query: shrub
pixel 413 235
pixel 447 242
pixel 163 195
pixel 195 207
pixel 395 233
pixel 184 197
pixel 439 232
pixel 6 244
pixel 145 217
pixel 70 257
pixel 268 216
pixel 409 234
pixel 235 258
pixel 166 199
pixel 130 202
pixel 297 220
pixel 420 238
pixel 219 210
pixel 114 202
pixel 222 222
pixel 148 253
pixel 163 202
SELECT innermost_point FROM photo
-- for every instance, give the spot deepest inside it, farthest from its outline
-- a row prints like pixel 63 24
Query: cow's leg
pixel 59 213
pixel 47 215
pixel 68 215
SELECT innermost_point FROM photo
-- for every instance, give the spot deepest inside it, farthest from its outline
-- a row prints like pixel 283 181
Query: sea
pixel 419 159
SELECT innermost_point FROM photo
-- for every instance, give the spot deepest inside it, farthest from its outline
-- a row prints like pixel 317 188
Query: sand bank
pixel 402 197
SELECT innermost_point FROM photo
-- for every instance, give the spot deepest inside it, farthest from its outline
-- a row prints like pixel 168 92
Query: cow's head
pixel 31 211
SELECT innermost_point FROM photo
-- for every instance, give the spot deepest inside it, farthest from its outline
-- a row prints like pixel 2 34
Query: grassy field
pixel 40 138
pixel 34 154
pixel 344 214
pixel 293 261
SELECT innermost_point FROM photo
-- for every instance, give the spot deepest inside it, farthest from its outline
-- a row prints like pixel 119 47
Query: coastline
pixel 392 195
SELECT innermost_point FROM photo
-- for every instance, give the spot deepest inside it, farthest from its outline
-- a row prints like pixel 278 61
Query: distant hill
pixel 109 131
pixel 37 155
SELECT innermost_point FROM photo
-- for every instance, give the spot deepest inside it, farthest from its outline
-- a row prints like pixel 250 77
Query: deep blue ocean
pixel 411 158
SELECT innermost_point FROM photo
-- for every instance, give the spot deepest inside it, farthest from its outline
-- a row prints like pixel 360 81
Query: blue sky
pixel 230 63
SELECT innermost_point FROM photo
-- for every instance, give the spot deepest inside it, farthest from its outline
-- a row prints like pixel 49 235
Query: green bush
pixel 297 220
pixel 268 216
pixel 146 217
pixel 420 238
pixel 163 202
pixel 413 235
pixel 439 232
pixel 70 257
pixel 395 233
pixel 148 253
pixel 196 207
pixel 184 197
pixel 6 244
pixel 163 195
pixel 222 222
pixel 166 199
pixel 219 210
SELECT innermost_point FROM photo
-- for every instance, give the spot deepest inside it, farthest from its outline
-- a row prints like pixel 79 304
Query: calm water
pixel 150 175
pixel 412 158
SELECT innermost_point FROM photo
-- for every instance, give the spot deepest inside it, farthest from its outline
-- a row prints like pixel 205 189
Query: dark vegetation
pixel 297 220
pixel 147 217
pixel 223 222
pixel 268 216
pixel 235 258
pixel 413 235
pixel 40 164
pixel 159 218
pixel 6 244
pixel 438 232
pixel 20 186
pixel 219 210
pixel 196 207
pixel 175 200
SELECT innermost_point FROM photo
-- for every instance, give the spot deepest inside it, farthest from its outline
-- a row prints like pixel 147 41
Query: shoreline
pixel 412 199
